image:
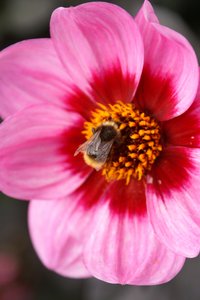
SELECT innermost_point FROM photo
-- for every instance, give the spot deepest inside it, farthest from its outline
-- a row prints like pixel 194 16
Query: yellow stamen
pixel 131 124
pixel 146 137
pixel 135 136
pixel 122 126
pixel 132 147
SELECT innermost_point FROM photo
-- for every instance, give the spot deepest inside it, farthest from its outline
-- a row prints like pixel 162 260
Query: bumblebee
pixel 97 149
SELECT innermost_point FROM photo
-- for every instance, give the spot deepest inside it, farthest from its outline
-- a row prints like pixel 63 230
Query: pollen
pixel 139 143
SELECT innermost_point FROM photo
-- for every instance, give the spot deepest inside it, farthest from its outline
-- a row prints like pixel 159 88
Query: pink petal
pixel 173 200
pixel 170 77
pixel 122 247
pixel 185 129
pixel 101 48
pixel 37 153
pixel 59 228
pixel 27 79
pixel 57 243
pixel 31 73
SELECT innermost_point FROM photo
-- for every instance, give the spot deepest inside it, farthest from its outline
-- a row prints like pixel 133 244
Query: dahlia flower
pixel 122 94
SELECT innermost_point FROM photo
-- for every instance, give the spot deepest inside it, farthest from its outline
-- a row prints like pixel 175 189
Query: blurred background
pixel 22 276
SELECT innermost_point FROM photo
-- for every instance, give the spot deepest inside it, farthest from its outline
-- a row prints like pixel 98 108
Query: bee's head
pixel 108 133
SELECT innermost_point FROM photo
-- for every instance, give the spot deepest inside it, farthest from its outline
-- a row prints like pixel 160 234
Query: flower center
pixel 122 141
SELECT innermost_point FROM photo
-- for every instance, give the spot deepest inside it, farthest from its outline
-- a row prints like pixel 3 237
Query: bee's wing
pixel 104 151
pixel 81 148
pixel 93 140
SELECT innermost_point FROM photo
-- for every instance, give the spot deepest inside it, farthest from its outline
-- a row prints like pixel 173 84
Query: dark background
pixel 22 276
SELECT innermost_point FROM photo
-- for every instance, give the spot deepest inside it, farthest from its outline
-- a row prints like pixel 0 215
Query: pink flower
pixel 134 230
